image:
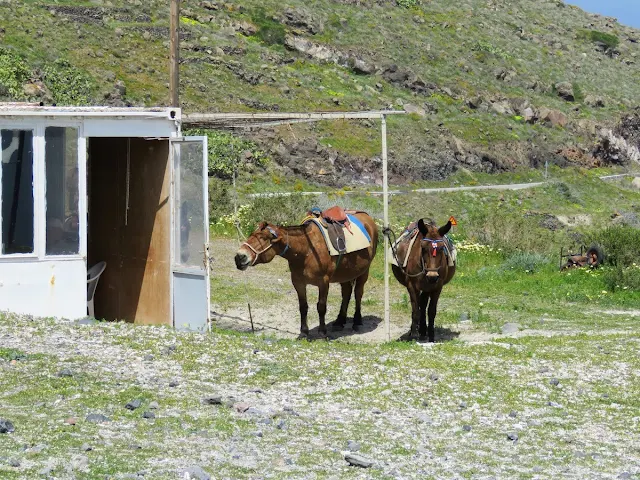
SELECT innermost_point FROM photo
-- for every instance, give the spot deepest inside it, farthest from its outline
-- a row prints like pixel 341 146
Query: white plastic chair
pixel 93 275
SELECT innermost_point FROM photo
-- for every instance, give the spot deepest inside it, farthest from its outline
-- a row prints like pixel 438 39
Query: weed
pixel 270 31
pixel 68 85
pixel 13 74
pixel 526 262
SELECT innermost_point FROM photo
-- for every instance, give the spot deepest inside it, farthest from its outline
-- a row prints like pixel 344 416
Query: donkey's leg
pixel 301 290
pixel 423 300
pixel 323 293
pixel 360 281
pixel 433 305
pixel 347 288
pixel 415 311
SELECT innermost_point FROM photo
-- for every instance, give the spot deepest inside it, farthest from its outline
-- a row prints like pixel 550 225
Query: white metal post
pixel 385 195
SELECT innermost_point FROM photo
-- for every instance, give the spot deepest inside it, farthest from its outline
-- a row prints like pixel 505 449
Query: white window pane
pixel 61 164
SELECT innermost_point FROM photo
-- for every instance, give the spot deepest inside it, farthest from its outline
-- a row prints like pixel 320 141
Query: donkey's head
pixel 259 247
pixel 433 249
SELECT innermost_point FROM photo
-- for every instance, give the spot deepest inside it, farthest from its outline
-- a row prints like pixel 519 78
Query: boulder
pixel 301 18
pixel 529 115
pixel 635 183
pixel 594 101
pixel 565 91
pixel 555 118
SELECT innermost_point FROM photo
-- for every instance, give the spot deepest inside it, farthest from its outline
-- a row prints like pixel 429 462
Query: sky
pixel 626 11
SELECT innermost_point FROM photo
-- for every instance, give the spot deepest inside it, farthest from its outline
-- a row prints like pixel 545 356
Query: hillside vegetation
pixel 491 86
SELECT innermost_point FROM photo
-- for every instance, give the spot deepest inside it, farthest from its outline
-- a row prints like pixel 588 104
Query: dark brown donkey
pixel 426 273
pixel 310 264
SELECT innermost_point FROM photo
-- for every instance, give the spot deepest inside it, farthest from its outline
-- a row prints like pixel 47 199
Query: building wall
pixel 44 288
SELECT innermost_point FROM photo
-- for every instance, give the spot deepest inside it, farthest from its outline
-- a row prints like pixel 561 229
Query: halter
pixel 274 234
pixel 434 245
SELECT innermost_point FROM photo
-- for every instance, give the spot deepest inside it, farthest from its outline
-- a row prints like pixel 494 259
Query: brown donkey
pixel 426 273
pixel 305 249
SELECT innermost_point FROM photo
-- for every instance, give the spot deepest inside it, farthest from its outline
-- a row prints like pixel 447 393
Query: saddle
pixel 335 220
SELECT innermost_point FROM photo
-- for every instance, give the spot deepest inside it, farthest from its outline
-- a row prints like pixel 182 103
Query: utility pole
pixel 174 66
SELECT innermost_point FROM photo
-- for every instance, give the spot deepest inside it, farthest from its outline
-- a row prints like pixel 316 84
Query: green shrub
pixel 611 41
pixel 67 84
pixel 526 262
pixel 13 74
pixel 289 210
pixel 226 152
pixel 270 31
pixel 622 278
pixel 620 244
pixel 407 3
pixel 220 199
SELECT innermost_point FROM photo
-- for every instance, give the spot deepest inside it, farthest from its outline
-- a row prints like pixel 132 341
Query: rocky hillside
pixel 490 85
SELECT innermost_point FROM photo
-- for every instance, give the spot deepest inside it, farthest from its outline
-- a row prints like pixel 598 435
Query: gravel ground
pixel 112 400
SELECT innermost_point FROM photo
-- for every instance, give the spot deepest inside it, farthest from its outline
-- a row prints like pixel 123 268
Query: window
pixel 17 191
pixel 61 168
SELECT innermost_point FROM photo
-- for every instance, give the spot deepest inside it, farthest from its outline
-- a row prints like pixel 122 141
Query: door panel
pixel 191 234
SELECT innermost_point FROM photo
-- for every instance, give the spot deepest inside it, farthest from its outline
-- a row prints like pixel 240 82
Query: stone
pixel 466 428
pixel 353 446
pixel 86 447
pixel 133 404
pixel 196 473
pixel 554 381
pixel 153 405
pixel 97 418
pixel 358 460
pixel 509 328
pixel 148 357
pixel 212 400
pixel 434 377
pixel 554 404
pixel 635 183
pixel 173 384
pixel 149 415
pixel 557 118
pixel 281 425
pixel 593 101
pixel 512 436
pixel 65 373
pixel 241 407
pixel 14 462
pixel 565 91
pixel 6 426
pixel 513 414
pixel 410 108
pixel 71 421
pixel 529 115
pixel 463 405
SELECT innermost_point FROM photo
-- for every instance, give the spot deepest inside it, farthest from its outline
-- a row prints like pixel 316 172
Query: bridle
pixel 274 236
pixel 424 270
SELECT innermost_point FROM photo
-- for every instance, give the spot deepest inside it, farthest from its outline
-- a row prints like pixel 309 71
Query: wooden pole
pixel 385 194
pixel 174 66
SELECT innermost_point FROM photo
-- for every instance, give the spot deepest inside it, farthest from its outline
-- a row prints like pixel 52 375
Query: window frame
pixel 38 126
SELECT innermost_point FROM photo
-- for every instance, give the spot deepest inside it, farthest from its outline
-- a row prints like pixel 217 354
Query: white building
pixel 82 185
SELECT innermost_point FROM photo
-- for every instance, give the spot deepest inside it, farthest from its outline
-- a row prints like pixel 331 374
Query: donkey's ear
pixel 445 229
pixel 262 225
pixel 422 227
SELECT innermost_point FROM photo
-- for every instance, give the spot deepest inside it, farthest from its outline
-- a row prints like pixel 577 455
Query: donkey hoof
pixel 356 327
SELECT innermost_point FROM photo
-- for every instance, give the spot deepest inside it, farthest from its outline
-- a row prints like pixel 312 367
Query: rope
pixel 240 234
pixel 388 232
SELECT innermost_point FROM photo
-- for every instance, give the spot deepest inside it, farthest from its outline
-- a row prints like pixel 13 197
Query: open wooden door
pixel 190 252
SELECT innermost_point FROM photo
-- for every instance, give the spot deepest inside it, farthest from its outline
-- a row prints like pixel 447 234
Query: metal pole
pixel 385 195
pixel 174 66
